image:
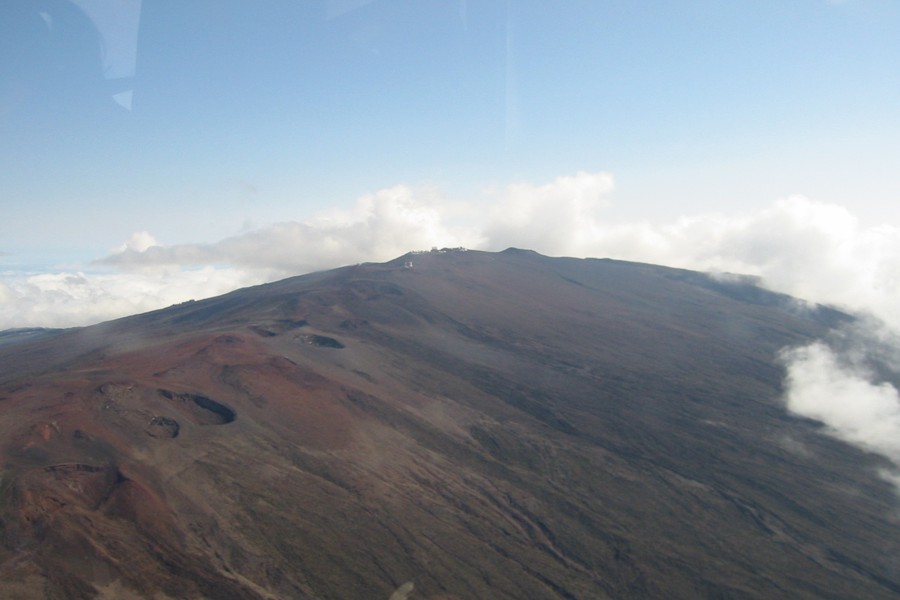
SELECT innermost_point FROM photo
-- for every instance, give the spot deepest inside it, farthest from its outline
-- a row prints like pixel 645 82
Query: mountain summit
pixel 447 425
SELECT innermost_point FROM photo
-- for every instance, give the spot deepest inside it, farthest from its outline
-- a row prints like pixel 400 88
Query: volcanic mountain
pixel 448 425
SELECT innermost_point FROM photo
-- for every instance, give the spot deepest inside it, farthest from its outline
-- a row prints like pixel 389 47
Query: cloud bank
pixel 71 299
pixel 380 226
pixel 809 249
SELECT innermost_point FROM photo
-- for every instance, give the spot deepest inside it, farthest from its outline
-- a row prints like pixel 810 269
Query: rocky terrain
pixel 447 425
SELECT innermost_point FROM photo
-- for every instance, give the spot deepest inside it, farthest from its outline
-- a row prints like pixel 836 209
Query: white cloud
pixel 561 217
pixel 824 385
pixel 68 299
pixel 809 249
pixel 380 226
pixel 812 250
pixel 139 241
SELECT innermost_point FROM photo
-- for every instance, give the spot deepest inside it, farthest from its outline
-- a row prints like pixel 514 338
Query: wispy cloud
pixel 338 8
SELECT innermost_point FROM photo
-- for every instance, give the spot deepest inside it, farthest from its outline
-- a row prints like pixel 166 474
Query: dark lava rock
pixel 163 427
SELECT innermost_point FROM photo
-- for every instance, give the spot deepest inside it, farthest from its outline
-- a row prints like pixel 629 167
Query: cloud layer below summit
pixel 816 251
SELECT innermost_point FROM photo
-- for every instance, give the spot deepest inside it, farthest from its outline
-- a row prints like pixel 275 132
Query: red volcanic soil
pixel 479 425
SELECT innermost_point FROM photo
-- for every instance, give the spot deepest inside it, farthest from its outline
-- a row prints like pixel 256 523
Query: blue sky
pixel 245 115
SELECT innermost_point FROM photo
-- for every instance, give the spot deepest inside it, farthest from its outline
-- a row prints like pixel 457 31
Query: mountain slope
pixel 484 425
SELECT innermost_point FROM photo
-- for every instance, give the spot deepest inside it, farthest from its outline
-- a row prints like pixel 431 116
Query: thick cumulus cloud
pixel 561 217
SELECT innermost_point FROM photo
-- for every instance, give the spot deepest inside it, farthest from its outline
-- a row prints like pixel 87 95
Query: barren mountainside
pixel 482 425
